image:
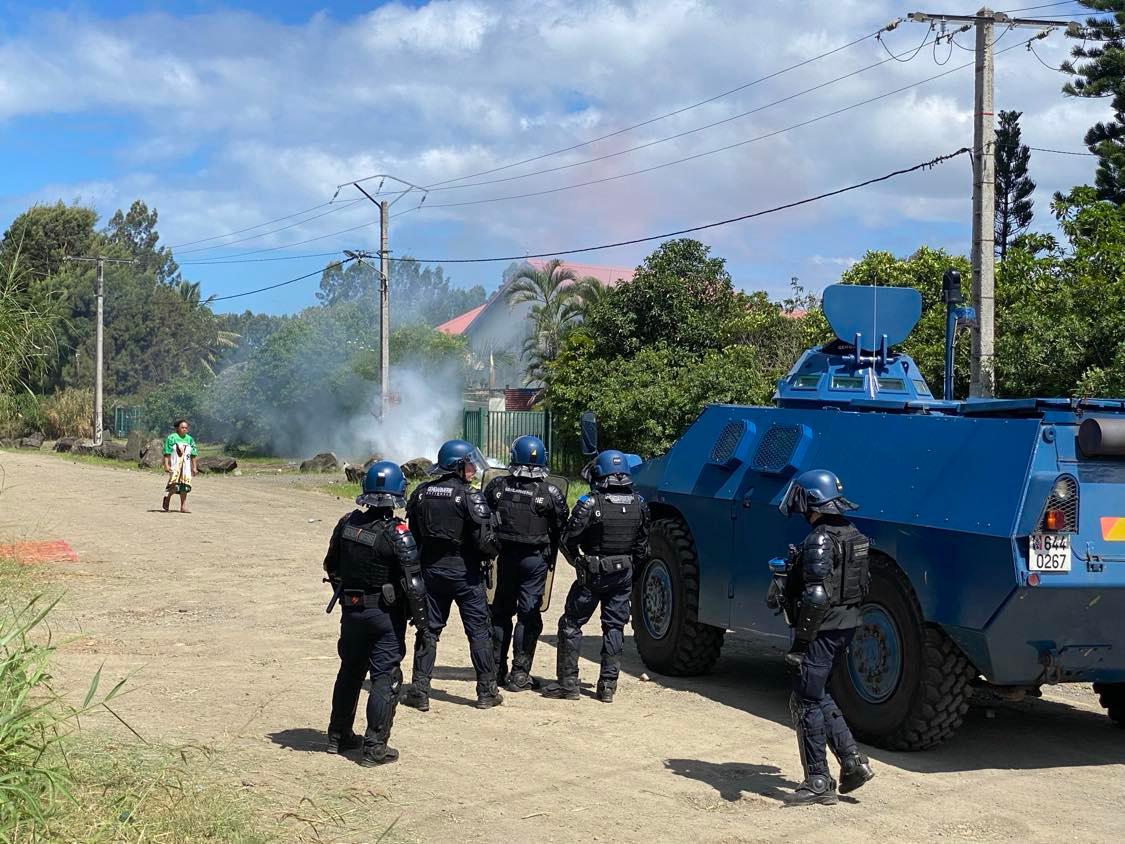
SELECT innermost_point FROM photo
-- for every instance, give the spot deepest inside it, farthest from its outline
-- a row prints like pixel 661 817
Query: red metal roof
pixel 458 324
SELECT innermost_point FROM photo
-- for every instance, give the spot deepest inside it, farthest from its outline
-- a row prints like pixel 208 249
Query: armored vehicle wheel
pixel 904 685
pixel 1112 697
pixel 669 636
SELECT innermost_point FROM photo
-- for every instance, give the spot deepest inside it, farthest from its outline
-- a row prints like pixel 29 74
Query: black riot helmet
pixel 815 491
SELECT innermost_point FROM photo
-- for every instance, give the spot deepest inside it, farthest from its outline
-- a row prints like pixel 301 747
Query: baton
pixel 335 595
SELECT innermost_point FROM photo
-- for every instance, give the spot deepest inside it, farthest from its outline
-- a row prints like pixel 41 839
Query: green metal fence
pixel 494 430
pixel 127 419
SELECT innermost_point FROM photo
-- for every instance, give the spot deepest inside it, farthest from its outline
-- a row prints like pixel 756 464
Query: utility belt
pixel 362 599
pixel 609 564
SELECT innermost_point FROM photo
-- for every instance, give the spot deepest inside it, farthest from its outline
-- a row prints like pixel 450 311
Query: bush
pixel 20 414
pixel 184 398
pixel 69 413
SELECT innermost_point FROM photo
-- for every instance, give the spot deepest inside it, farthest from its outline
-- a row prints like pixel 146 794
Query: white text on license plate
pixel 1049 552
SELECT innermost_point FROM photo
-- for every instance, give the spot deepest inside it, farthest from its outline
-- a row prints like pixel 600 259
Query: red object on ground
pixel 51 551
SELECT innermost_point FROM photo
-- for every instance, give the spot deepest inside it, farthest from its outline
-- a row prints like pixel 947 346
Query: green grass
pixel 59 782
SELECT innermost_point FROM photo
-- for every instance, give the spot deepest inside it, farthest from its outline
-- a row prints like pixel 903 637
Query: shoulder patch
pixel 582 499
pixel 401 528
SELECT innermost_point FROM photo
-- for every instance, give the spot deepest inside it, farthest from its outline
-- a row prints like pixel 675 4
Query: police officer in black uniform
pixel 454 527
pixel 827 579
pixel 606 540
pixel 373 563
pixel 531 514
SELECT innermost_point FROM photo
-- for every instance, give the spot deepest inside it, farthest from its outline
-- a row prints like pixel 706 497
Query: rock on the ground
pixel 220 465
pixel 112 450
pixel 84 447
pixel 134 445
pixel 63 444
pixel 417 469
pixel 355 472
pixel 152 455
pixel 31 441
pixel 323 462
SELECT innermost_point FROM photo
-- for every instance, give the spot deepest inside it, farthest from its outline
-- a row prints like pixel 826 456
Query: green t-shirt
pixel 175 439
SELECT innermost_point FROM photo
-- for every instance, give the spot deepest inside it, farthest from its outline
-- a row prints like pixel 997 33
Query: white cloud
pixel 279 114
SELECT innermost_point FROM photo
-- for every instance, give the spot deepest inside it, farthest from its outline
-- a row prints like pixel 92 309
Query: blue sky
pixel 226 115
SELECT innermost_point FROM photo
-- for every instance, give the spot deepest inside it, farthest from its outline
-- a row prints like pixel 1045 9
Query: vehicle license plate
pixel 1049 552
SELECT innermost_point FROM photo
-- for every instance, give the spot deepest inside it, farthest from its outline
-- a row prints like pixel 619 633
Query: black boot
pixel 490 697
pixel 375 748
pixel 342 743
pixel 855 771
pixel 520 678
pixel 606 690
pixel 416 698
pixel 566 668
pixel 817 788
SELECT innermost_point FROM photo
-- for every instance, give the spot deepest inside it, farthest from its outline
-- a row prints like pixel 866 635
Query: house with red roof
pixel 497 329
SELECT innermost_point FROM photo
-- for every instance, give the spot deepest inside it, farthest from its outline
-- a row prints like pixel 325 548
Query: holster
pixel 608 564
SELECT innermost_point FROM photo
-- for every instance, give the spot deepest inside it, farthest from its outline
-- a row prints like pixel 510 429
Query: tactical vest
pixel 522 510
pixel 619 516
pixel 851 575
pixel 367 556
pixel 438 518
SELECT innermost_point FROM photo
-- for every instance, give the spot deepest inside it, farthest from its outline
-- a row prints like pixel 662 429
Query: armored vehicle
pixel 997 528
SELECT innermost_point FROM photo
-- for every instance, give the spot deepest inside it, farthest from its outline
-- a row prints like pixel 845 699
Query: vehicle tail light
pixel 1060 511
pixel 1054 520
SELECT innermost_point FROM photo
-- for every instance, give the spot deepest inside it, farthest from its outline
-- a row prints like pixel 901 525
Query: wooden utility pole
pixel 99 331
pixel 983 376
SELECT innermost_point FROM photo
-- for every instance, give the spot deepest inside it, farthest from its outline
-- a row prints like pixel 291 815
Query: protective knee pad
pixel 613 640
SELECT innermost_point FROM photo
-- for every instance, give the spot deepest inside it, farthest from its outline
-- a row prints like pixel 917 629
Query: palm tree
pixel 555 309
pixel 590 292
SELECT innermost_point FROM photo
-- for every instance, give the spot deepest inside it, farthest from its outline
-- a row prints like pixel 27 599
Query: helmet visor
pixel 794 500
pixel 475 464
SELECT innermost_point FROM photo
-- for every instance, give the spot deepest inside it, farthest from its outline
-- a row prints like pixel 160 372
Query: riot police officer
pixel 531 513
pixel 826 581
pixel 373 562
pixel 454 527
pixel 606 540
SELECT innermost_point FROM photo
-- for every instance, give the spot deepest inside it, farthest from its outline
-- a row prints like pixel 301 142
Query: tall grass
pixel 68 413
pixel 34 721
pixel 28 317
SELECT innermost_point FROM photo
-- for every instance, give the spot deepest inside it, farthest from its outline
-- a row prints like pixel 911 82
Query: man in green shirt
pixel 180 463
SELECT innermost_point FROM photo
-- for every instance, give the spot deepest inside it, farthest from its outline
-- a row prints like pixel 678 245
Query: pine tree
pixel 1102 75
pixel 1013 186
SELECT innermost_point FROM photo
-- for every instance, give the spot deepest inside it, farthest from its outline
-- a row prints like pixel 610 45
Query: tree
pixel 554 310
pixel 419 294
pixel 135 232
pixel 1101 74
pixel 44 235
pixel 658 348
pixel 27 321
pixel 1013 186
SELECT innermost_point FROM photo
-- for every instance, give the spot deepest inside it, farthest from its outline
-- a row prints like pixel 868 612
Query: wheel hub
pixel 875 655
pixel 656 603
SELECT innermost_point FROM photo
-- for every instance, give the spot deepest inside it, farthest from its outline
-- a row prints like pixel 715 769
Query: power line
pixel 332 210
pixel 251 228
pixel 1031 49
pixel 232 258
pixel 272 286
pixel 808 200
pixel 210 261
pixel 676 136
pixel 1044 6
pixel 573 147
pixel 678 111
pixel 914 55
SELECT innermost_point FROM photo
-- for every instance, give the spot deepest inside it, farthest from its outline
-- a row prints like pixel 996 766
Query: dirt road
pixel 221 614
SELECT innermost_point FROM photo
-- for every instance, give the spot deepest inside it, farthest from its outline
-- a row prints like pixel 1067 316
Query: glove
pixel 796 655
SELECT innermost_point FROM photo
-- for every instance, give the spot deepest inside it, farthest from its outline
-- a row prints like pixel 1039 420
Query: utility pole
pixel 99 296
pixel 983 374
pixel 384 275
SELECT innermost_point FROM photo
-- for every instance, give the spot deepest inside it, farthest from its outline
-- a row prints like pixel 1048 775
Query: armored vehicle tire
pixel 668 634
pixel 1112 697
pixel 904 685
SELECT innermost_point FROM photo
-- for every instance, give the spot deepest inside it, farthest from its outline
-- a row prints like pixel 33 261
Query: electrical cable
pixel 806 201
pixel 272 286
pixel 914 55
pixel 1031 49
pixel 333 210
pixel 674 137
pixel 258 226
pixel 660 117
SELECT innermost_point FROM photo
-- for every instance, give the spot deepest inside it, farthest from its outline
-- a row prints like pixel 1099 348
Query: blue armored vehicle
pixel 997 528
